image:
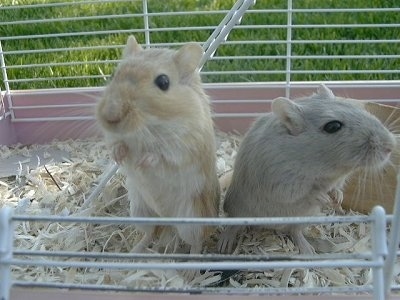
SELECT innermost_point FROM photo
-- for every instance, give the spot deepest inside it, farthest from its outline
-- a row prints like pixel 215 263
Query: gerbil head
pixel 151 86
pixel 291 115
pixel 334 132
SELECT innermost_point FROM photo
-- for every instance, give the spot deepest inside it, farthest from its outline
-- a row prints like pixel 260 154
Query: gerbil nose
pixel 382 144
pixel 385 144
pixel 387 151
pixel 112 112
pixel 386 154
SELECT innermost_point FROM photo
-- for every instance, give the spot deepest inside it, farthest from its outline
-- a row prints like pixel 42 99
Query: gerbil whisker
pixel 361 185
pixel 391 121
pixel 394 127
pixel 378 180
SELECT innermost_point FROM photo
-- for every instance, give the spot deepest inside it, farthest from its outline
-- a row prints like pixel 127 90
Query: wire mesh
pixel 77 44
pixel 60 45
pixel 103 262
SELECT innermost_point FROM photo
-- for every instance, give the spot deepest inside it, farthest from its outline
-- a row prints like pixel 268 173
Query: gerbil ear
pixel 132 47
pixel 188 58
pixel 325 93
pixel 290 114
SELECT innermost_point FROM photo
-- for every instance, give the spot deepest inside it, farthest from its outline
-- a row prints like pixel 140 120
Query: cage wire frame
pixel 381 259
pixel 374 260
pixel 19 110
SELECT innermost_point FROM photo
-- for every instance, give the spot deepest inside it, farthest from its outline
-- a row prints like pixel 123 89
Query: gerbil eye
pixel 162 81
pixel 332 126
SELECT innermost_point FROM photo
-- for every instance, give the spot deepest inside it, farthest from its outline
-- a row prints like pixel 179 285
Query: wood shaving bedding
pixel 60 187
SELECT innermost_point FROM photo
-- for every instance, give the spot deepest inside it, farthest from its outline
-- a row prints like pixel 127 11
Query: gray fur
pixel 288 166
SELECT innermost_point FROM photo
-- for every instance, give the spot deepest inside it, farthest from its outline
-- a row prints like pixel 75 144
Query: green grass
pixel 105 58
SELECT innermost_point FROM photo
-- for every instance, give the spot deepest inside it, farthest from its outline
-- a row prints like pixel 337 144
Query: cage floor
pixel 57 187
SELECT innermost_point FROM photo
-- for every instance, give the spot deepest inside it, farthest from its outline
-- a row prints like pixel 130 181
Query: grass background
pixel 53 68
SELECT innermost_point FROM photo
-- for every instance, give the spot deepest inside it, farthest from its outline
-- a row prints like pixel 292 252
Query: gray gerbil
pixel 157 121
pixel 295 159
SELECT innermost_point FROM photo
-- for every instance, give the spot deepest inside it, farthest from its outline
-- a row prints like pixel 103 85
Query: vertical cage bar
pixel 3 68
pixel 379 251
pixel 6 242
pixel 394 239
pixel 289 47
pixel 6 84
pixel 146 24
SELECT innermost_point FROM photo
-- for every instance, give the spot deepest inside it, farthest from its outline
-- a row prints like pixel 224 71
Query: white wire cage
pixel 280 47
pixel 277 56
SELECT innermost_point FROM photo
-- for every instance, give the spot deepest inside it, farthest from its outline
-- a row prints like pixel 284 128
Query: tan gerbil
pixel 157 121
pixel 296 159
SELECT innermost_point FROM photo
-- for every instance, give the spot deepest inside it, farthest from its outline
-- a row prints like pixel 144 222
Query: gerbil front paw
pixel 337 199
pixel 119 152
pixel 336 196
pixel 301 242
pixel 334 199
pixel 148 160
pixel 227 239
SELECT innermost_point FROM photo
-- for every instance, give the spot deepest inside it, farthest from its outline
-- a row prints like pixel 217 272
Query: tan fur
pixel 164 139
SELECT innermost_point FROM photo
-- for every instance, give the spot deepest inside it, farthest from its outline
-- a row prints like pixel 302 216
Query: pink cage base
pixel 52 103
